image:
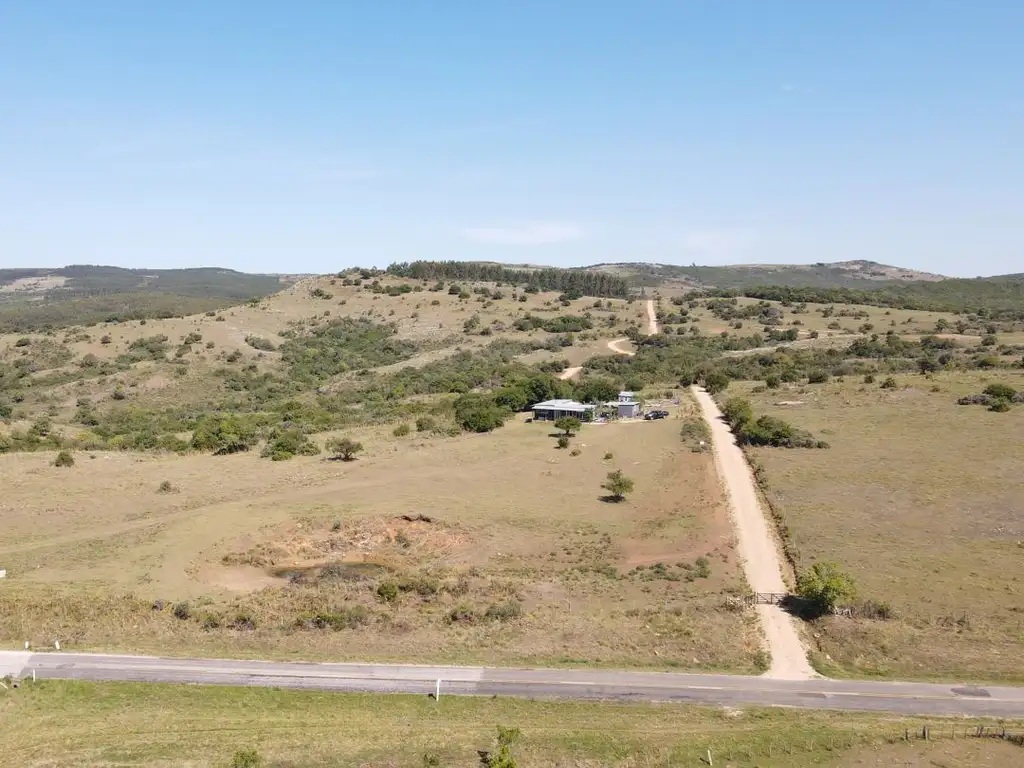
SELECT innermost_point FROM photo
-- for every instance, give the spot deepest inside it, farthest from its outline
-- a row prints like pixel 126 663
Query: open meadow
pixel 921 500
pixel 493 548
pixel 56 724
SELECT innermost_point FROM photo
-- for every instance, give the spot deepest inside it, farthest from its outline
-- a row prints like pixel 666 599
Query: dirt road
pixel 570 373
pixel 761 562
pixel 652 318
pixel 614 347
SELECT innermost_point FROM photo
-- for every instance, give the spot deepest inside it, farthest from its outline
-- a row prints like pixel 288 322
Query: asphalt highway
pixel 734 690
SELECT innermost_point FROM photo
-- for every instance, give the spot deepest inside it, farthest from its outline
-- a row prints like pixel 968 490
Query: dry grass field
pixel 922 500
pixel 61 724
pixel 313 558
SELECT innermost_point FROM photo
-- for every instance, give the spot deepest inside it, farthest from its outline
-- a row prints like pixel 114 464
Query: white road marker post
pixel 437 690
pixel 710 761
pixel 33 675
pixel 56 644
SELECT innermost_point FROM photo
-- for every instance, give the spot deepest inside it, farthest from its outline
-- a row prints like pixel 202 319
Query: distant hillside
pixel 1001 296
pixel 31 299
pixel 843 274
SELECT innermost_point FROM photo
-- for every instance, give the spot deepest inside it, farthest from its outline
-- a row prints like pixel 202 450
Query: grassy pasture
pixel 63 724
pixel 513 520
pixel 923 501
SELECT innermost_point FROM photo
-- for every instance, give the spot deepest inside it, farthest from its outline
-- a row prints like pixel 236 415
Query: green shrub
pixel 246 758
pixel 817 377
pixel 617 485
pixel 344 448
pixel 999 405
pixel 387 591
pixel 224 435
pixel 64 459
pixel 425 424
pixel 568 424
pixel 1004 391
pixel 165 487
pixel 287 443
pixel 182 611
pixel 563 442
pixel 888 383
pixel 479 413
pixel 771 381
pixel 508 610
pixel 824 586
pixel 401 430
pixel 260 343
pixel 715 382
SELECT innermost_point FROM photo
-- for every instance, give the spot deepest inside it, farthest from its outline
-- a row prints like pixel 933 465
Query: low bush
pixel 260 343
pixel 64 459
pixel 401 430
pixel 508 610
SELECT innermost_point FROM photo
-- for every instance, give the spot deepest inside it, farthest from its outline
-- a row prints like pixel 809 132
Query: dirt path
pixel 614 347
pixel 652 318
pixel 570 373
pixel 757 549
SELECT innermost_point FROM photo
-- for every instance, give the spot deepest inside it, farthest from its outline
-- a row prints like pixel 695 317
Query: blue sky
pixel 309 136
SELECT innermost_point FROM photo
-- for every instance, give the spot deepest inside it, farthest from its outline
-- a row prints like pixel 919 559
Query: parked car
pixel 651 415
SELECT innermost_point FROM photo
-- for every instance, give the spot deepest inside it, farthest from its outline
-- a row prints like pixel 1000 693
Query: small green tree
pixel 715 382
pixel 563 442
pixel 506 738
pixel 617 485
pixel 568 424
pixel 344 448
pixel 737 412
pixel 824 585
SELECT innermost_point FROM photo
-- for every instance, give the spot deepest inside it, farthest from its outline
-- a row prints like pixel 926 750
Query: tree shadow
pixel 611 498
pixel 801 608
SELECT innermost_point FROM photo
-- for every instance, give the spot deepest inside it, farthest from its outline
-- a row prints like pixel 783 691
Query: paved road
pixel 761 562
pixel 905 698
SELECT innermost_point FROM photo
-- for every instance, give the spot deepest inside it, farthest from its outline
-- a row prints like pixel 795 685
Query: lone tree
pixel 824 586
pixel 568 424
pixel 344 448
pixel 64 459
pixel 617 485
pixel 715 382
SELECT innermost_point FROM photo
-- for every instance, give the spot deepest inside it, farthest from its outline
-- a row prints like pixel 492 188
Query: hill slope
pixel 844 274
pixel 84 294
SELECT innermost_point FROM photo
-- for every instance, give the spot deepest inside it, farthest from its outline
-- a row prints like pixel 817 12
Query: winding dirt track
pixel 570 373
pixel 614 347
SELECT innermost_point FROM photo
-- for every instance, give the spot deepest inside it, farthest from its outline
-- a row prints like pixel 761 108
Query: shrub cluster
pixel 765 430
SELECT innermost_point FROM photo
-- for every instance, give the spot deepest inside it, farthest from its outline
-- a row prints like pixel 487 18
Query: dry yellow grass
pixel 514 519
pixel 922 500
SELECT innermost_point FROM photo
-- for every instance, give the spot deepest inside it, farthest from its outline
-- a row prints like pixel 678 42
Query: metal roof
pixel 561 405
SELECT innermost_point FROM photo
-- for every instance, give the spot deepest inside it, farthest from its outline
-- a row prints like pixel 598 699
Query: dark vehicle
pixel 652 415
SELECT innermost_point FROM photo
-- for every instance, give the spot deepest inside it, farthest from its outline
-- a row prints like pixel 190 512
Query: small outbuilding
pixel 628 406
pixel 552 410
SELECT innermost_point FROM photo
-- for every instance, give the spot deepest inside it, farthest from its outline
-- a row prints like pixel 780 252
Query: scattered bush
pixel 182 611
pixel 1004 391
pixel 387 591
pixel 609 456
pixel 64 459
pixel 563 442
pixel 508 610
pixel 258 342
pixel 246 758
pixel 888 383
pixel 401 430
pixel 568 424
pixel 288 443
pixel 824 586
pixel 344 449
pixel 165 487
pixel 617 485
pixel 425 424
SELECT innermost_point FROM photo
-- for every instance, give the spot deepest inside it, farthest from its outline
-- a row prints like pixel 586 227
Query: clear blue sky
pixel 307 136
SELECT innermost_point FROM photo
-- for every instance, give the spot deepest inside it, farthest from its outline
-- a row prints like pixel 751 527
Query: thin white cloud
pixel 718 243
pixel 531 233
